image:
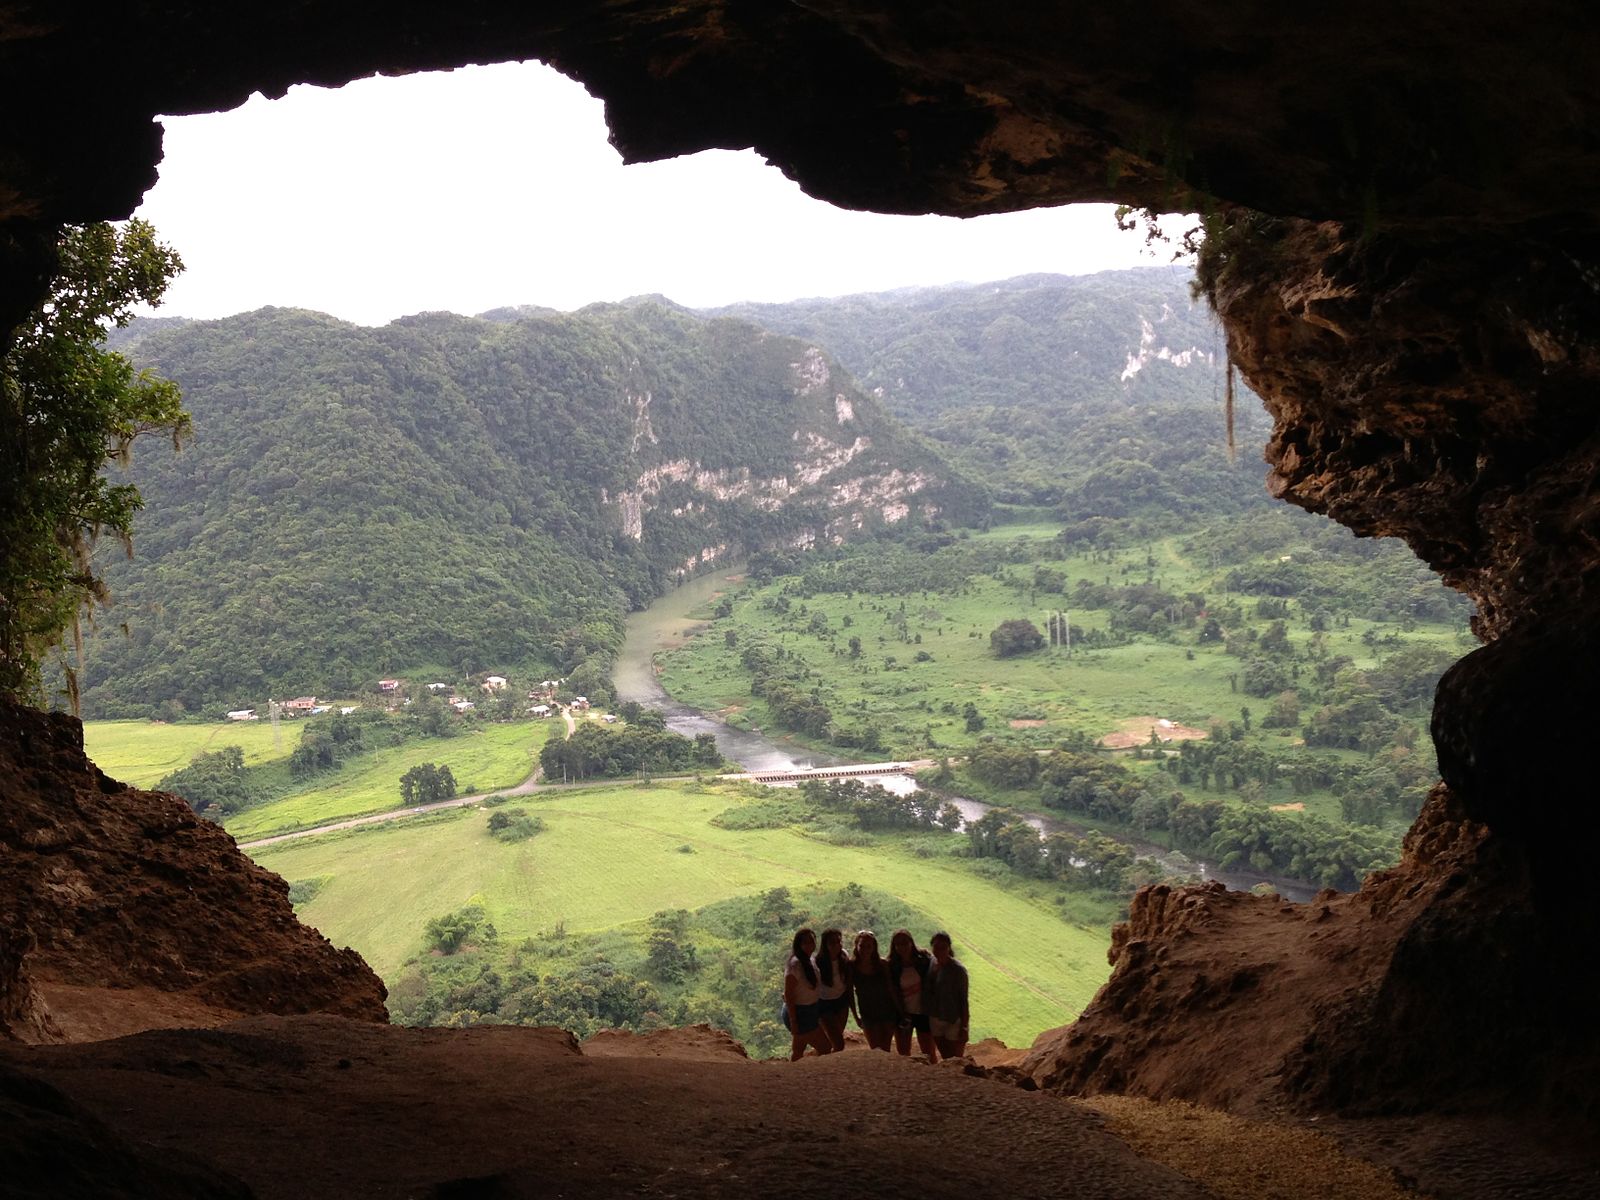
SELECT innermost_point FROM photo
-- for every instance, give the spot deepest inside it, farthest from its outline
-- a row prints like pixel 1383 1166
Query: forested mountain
pixel 470 494
pixel 1102 394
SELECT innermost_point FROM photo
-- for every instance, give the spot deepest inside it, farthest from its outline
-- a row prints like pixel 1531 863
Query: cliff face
pixel 121 910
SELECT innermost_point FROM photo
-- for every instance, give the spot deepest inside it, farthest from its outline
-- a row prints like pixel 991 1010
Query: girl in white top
pixel 833 986
pixel 800 998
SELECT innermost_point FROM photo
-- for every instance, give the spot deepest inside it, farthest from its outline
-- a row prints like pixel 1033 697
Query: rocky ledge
pixel 121 910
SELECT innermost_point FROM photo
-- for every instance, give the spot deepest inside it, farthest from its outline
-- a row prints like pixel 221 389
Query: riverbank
pixel 669 623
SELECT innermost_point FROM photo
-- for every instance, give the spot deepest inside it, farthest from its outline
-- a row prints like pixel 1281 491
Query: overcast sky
pixel 492 186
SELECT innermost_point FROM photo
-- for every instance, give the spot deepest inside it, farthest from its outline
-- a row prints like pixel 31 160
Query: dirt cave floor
pixel 326 1107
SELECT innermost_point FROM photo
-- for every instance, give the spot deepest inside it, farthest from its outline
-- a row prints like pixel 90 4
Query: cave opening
pixel 1418 312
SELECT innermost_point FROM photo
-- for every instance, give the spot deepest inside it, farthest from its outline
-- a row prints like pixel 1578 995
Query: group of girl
pixel 910 991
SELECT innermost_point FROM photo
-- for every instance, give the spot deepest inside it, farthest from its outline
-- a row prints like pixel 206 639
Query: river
pixel 666 624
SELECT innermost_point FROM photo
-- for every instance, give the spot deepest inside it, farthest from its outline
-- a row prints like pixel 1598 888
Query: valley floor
pixel 324 1107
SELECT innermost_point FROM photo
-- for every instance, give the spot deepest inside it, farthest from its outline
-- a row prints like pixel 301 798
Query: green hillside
pixel 1103 394
pixel 462 494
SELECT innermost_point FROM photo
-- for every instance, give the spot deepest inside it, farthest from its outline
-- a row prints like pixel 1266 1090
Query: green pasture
pixel 141 752
pixel 484 760
pixel 1092 690
pixel 608 857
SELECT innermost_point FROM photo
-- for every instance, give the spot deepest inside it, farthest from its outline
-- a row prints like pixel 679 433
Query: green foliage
pixel 450 932
pixel 1016 636
pixel 513 825
pixel 216 783
pixel 427 783
pixel 304 891
pixel 1097 394
pixel 67 407
pixel 480 469
pixel 721 963
pixel 596 751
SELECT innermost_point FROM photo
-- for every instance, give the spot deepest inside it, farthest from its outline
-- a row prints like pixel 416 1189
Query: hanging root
pixel 1233 449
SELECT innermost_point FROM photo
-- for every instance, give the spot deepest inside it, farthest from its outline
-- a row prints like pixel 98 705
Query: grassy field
pixel 1036 696
pixel 495 756
pixel 610 857
pixel 141 752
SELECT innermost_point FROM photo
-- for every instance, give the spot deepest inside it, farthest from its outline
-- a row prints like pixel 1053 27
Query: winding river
pixel 667 624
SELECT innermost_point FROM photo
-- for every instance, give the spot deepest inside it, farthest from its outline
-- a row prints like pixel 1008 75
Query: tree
pixel 427 783
pixel 218 779
pixel 67 407
pixel 1017 636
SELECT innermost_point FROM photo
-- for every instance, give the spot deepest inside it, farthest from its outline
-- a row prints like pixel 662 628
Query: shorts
pixel 949 1031
pixel 803 1019
pixel 917 1021
pixel 839 1004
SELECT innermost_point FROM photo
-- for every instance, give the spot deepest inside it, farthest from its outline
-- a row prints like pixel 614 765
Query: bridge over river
pixel 835 771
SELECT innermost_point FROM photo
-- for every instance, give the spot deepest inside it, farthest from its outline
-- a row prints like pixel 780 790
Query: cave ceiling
pixel 1475 112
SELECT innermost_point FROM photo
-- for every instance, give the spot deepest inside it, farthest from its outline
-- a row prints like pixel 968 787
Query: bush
pixel 513 825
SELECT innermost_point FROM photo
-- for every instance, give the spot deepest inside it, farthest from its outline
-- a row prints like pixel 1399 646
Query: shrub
pixel 513 825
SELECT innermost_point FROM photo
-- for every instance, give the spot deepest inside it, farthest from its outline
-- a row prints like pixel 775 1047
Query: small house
pixel 494 683
pixel 580 703
pixel 243 714
pixel 388 685
pixel 610 718
pixel 439 687
pixel 462 706
pixel 540 710
pixel 300 706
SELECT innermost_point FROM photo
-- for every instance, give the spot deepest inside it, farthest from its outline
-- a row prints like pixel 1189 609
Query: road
pixel 532 785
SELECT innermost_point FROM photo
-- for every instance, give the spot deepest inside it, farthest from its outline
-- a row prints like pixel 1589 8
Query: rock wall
pixel 1436 987
pixel 122 910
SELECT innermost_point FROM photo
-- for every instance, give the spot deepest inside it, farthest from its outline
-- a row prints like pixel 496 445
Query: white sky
pixel 493 186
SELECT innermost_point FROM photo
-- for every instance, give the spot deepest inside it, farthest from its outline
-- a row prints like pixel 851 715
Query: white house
pixel 540 710
pixel 243 714
pixel 494 683
pixel 462 706
pixel 439 687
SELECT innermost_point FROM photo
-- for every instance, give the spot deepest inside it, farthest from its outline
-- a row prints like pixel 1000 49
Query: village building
pixel 300 706
pixel 243 714
pixel 388 685
pixel 540 710
pixel 494 683
pixel 462 706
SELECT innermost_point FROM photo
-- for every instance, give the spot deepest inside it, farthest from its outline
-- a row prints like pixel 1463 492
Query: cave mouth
pixel 1405 279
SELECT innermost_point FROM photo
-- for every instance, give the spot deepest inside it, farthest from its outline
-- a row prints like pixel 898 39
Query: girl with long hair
pixel 833 987
pixel 875 1003
pixel 800 998
pixel 946 998
pixel 908 976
